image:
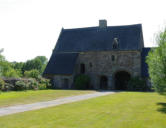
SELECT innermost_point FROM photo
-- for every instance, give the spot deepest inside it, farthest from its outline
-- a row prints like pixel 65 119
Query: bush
pixel 8 87
pixel 2 84
pixel 32 84
pixel 42 86
pixel 82 82
pixel 20 85
pixel 42 80
pixel 137 84
pixel 32 73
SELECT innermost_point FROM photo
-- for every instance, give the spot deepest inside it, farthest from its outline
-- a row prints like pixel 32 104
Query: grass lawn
pixel 121 110
pixel 25 97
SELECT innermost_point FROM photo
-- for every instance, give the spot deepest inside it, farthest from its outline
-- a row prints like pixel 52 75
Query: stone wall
pixel 63 81
pixel 106 63
pixel 99 64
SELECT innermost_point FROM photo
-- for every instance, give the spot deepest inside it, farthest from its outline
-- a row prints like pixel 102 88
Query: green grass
pixel 121 110
pixel 25 97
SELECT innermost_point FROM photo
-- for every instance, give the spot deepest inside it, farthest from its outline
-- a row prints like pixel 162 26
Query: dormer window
pixel 115 43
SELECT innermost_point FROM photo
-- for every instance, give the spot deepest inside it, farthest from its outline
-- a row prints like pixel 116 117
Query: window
pixel 113 57
pixel 115 43
pixel 65 83
pixel 82 68
pixel 90 65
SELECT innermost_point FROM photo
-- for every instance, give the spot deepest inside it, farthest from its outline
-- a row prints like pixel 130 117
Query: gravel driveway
pixel 38 105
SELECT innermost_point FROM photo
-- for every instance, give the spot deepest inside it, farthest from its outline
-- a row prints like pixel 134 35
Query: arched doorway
pixel 121 80
pixel 103 82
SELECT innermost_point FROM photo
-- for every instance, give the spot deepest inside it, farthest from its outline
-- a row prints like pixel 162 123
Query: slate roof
pixel 130 37
pixel 73 41
pixel 61 63
pixel 144 66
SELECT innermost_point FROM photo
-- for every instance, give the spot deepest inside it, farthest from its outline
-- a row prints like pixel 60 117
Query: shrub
pixel 137 84
pixel 82 82
pixel 42 86
pixel 32 73
pixel 42 80
pixel 8 87
pixel 32 84
pixel 35 85
pixel 20 85
pixel 2 84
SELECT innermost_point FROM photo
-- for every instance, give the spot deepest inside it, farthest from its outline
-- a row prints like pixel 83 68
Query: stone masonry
pixel 99 64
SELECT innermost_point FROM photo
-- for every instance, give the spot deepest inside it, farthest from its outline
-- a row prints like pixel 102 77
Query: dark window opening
pixel 113 57
pixel 82 69
pixel 103 82
pixel 66 83
pixel 90 64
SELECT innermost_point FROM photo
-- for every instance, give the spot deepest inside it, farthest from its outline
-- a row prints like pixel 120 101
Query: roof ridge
pixel 97 27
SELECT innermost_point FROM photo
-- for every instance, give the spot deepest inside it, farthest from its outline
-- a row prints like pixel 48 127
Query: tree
pixel 43 59
pixel 12 73
pixel 156 61
pixel 32 73
pixel 1 56
pixel 6 68
pixel 1 59
pixel 44 62
pixel 18 65
pixel 18 69
pixel 37 63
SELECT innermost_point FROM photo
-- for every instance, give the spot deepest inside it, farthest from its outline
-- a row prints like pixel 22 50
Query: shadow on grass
pixel 162 107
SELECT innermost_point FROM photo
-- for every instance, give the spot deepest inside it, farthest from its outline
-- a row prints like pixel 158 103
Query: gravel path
pixel 38 105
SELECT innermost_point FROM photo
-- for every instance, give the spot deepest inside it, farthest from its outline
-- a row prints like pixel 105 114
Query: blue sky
pixel 29 28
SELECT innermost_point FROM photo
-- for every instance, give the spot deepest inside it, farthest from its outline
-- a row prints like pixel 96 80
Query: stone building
pixel 109 55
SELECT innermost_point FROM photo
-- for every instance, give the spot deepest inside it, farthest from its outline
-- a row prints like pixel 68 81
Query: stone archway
pixel 121 80
pixel 103 82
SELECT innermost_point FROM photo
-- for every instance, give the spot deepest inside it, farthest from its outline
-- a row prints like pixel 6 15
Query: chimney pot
pixel 102 23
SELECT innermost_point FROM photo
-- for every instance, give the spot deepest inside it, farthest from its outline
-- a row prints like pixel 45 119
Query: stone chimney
pixel 102 23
